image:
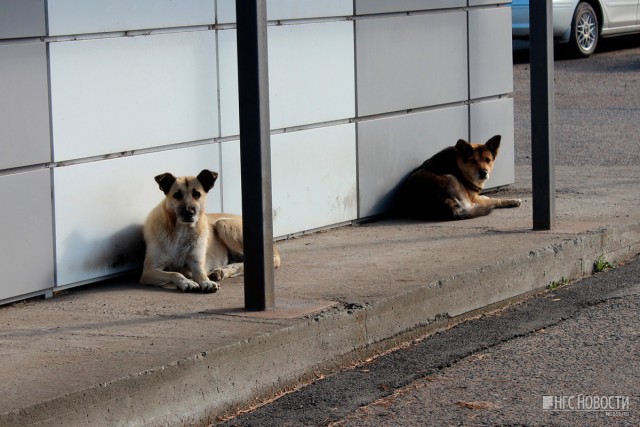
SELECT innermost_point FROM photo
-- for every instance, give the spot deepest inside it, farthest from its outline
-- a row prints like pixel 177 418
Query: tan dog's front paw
pixel 186 285
pixel 218 275
pixel 209 286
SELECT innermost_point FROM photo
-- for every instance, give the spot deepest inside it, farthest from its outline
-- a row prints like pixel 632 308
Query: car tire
pixel 585 31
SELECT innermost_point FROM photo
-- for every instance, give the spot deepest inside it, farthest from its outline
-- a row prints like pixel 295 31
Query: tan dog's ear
pixel 207 178
pixel 463 147
pixel 493 145
pixel 165 181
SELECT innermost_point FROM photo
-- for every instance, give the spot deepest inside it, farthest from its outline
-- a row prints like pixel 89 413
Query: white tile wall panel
pixel 364 7
pixel 313 178
pixel 22 18
pixel 407 62
pixel 495 117
pixel 228 75
pixel 231 177
pixel 98 16
pixel 490 53
pixel 290 9
pixel 311 75
pixel 390 148
pixel 226 11
pixel 26 259
pixel 24 105
pixel 100 208
pixel 120 94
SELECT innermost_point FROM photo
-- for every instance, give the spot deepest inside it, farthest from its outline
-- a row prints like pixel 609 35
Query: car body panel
pixel 620 13
pixel 618 17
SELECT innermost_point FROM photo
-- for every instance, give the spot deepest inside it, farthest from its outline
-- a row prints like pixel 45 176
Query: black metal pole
pixel 255 154
pixel 542 115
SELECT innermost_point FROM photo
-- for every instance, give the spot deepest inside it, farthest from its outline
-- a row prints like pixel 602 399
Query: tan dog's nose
pixel 188 213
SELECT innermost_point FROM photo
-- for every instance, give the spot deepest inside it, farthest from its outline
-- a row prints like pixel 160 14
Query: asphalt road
pixel 580 341
pixel 597 116
pixel 565 346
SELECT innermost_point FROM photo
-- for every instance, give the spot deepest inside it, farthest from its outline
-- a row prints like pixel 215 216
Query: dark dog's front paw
pixel 209 286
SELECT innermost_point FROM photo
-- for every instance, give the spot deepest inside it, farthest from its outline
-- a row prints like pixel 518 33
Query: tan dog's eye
pixel 178 195
pixel 196 194
pixel 488 160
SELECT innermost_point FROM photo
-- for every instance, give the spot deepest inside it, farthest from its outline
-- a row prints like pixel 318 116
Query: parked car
pixel 581 23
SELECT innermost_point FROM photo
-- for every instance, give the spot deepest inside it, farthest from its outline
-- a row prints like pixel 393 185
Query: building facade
pixel 100 96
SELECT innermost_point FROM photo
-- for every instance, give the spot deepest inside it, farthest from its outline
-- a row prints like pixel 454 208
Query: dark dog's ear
pixel 463 147
pixel 493 145
pixel 207 178
pixel 165 181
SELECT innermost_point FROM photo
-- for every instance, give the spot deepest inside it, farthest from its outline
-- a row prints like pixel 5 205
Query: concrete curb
pixel 200 388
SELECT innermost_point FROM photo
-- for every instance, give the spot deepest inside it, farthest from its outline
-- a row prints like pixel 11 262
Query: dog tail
pixel 472 212
pixel 276 257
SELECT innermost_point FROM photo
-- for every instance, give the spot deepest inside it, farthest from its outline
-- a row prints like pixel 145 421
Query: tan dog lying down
pixel 187 247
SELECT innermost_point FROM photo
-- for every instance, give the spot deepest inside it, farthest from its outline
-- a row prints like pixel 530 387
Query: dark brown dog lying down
pixel 447 186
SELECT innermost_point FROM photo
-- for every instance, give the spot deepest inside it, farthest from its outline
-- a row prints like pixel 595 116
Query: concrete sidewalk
pixel 118 353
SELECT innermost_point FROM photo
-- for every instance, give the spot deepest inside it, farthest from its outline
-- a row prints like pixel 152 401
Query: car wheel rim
pixel 586 31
